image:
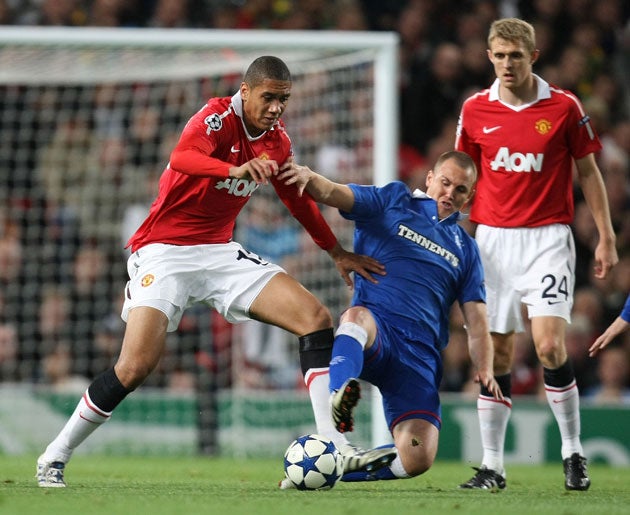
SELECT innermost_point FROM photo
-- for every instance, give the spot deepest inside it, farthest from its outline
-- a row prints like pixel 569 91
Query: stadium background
pixel 80 161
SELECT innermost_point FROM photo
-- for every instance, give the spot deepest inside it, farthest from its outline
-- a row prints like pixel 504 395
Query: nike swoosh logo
pixel 234 150
pixel 487 130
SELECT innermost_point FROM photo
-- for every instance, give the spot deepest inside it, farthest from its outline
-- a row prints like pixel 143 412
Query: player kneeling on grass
pixel 393 334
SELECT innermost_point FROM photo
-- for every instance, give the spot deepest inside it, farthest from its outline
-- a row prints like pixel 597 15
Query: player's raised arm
pixel 319 187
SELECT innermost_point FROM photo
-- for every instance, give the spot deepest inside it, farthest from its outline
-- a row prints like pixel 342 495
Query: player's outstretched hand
pixel 293 173
pixel 491 384
pixel 618 326
pixel 347 262
pixel 259 170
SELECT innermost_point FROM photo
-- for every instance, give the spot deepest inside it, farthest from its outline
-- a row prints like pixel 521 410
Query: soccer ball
pixel 312 462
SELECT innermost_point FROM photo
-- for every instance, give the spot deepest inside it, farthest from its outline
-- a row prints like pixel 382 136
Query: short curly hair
pixel 266 67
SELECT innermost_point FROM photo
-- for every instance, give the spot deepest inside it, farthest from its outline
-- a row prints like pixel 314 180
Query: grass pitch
pixel 182 486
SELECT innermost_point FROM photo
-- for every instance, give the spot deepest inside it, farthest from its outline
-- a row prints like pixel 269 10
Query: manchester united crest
pixel 543 126
pixel 147 280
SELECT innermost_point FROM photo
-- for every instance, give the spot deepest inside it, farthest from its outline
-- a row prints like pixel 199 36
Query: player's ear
pixel 429 178
pixel 535 56
pixel 244 91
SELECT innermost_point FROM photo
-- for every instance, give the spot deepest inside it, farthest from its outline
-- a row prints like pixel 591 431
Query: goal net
pixel 88 118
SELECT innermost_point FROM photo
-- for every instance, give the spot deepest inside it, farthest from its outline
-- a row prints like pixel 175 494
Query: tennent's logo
pixel 516 161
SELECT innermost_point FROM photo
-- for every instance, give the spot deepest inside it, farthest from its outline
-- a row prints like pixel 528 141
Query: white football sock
pixel 82 423
pixel 565 405
pixel 493 420
pixel 317 380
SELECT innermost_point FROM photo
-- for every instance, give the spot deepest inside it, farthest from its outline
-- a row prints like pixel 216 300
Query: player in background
pixel 393 333
pixel 618 326
pixel 526 137
pixel 183 254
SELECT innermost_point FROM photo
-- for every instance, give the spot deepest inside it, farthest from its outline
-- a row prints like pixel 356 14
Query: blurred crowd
pixel 585 48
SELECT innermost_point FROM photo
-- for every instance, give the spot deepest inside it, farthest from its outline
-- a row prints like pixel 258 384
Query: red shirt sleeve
pixel 193 153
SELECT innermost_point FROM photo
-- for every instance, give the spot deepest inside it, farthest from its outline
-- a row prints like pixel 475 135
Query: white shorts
pixel 532 266
pixel 171 278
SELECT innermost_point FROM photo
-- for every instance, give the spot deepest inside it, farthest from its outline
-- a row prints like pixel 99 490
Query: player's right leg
pixel 141 350
pixel 286 303
pixel 505 318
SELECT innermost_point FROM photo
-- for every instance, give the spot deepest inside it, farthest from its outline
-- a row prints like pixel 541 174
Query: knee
pixel 551 352
pixel 416 462
pixel 321 318
pixel 355 314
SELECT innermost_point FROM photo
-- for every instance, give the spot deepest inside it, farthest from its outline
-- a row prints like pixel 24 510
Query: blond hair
pixel 514 30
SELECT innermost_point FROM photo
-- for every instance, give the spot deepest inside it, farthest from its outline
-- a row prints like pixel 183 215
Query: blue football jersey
pixel 430 263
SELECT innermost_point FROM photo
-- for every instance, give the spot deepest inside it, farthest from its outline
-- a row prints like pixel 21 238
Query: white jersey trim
pixel 543 91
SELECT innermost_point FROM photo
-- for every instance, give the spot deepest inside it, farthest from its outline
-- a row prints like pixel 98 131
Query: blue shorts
pixel 407 373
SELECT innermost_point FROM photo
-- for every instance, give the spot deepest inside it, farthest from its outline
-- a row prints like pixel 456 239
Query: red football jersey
pixel 198 202
pixel 524 155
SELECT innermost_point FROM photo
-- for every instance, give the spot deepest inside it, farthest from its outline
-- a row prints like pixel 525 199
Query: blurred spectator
pixel 8 353
pixel 572 67
pixel 415 46
pixel 54 12
pixel 348 15
pixel 54 317
pixel 613 375
pixel 170 14
pixel 432 98
pixel 579 336
pixel 108 335
pixel 589 304
pixel 57 371
pixel 6 13
pixel 105 13
pixel 90 292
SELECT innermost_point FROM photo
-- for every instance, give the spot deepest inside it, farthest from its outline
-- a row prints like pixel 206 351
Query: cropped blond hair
pixel 514 30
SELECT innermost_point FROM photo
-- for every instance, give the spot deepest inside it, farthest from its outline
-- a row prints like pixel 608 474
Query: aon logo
pixel 237 187
pixel 516 162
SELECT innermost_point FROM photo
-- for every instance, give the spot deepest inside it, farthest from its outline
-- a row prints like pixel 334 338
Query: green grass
pixel 133 485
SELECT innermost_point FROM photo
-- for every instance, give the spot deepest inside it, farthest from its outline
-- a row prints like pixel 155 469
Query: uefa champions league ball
pixel 312 462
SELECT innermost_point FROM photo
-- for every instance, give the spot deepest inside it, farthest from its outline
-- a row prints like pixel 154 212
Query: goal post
pixel 89 116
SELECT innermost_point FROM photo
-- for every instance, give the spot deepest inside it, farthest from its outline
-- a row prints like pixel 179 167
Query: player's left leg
pixel 142 347
pixel 562 395
pixel 416 444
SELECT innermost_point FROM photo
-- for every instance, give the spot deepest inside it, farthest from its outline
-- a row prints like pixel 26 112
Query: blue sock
pixel 346 361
